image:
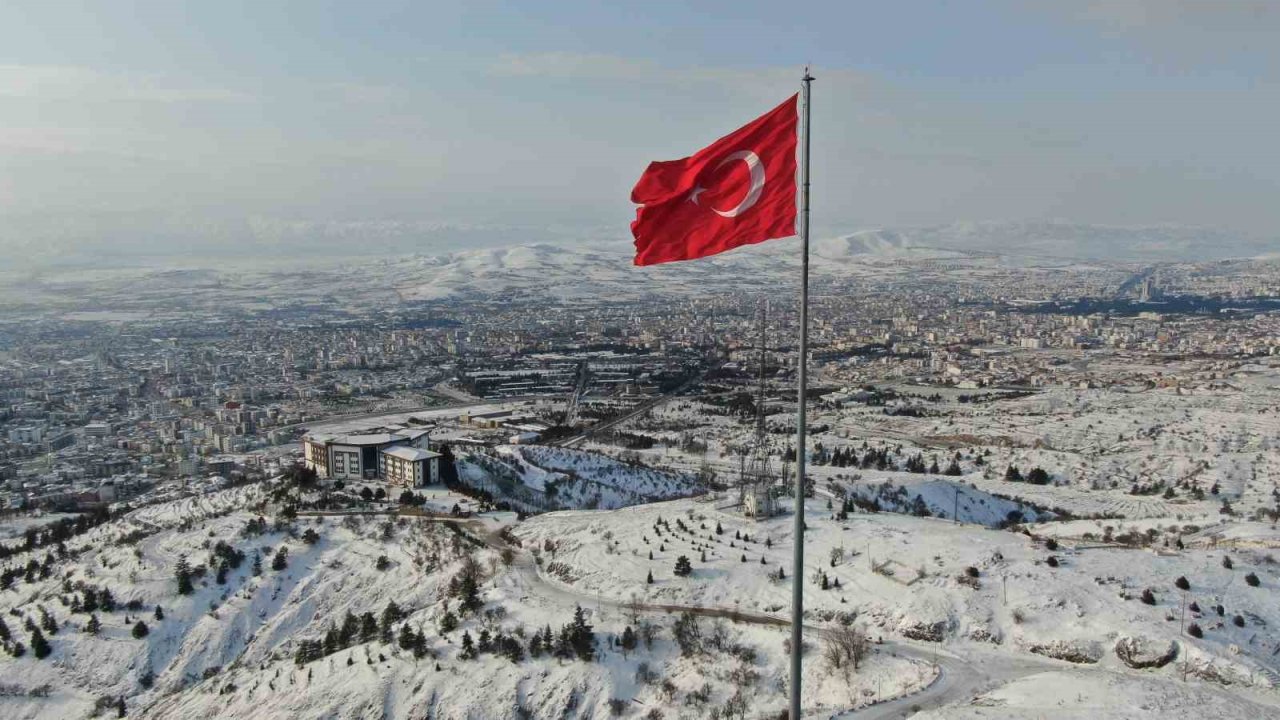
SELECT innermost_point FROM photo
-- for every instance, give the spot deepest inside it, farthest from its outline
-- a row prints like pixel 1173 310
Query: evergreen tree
pixel 368 627
pixel 407 637
pixel 468 646
pixel 332 643
pixel 257 564
pixel 140 630
pixel 448 622
pixel 649 580
pixel 4 631
pixel 39 646
pixel 47 622
pixel 106 600
pixel 159 614
pixel 390 616
pixel 120 708
pixel 281 560
pixel 182 573
pixel 349 631
pixel 683 567
pixel 582 639
pixel 94 626
pixel 628 640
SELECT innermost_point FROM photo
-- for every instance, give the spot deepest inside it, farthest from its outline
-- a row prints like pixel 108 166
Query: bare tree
pixel 845 646
pixel 633 608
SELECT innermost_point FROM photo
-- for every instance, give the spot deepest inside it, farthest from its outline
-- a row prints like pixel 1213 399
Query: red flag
pixel 739 190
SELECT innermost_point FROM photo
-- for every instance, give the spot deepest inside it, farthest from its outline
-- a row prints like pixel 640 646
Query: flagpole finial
pixel 807 77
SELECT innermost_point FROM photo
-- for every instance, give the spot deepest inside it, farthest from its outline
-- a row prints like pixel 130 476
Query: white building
pixel 409 466
pixel 359 456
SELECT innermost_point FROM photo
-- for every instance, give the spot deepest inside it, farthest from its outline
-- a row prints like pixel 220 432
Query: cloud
pixel 59 82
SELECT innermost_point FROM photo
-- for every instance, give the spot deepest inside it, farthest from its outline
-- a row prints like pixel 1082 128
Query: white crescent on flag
pixel 755 167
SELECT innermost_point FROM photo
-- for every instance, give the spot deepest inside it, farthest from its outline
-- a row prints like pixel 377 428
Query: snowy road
pixel 961 677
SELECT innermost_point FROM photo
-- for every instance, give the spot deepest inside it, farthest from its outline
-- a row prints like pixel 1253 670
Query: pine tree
pixel 4 631
pixel 159 614
pixel 468 646
pixel 649 580
pixel 120 708
pixel 182 573
pixel 407 637
pixel 581 638
pixel 628 640
pixel 368 627
pixel 47 622
pixel 281 560
pixel 448 622
pixel 257 564
pixel 332 643
pixel 140 630
pixel 94 626
pixel 683 567
pixel 350 629
pixel 39 646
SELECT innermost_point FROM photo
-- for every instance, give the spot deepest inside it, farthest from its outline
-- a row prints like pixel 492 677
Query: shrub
pixel 1226 562
pixel 1194 631
pixel 1181 583
pixel 1238 621
pixel 1052 561
pixel 140 630
pixel 1148 597
pixel 1051 544
pixel 1252 580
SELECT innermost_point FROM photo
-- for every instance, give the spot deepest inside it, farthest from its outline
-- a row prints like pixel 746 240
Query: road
pixel 961 676
pixel 639 410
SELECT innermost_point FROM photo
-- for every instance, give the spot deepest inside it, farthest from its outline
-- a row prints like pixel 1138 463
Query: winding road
pixel 962 675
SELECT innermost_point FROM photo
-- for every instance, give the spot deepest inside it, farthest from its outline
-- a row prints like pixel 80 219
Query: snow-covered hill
pixel 549 478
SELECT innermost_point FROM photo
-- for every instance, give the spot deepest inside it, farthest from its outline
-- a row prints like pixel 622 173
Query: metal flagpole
pixel 797 574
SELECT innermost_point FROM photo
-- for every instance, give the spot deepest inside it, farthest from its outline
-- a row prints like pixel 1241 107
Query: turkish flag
pixel 739 190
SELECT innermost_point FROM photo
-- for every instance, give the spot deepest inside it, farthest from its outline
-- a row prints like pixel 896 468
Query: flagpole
pixel 797 574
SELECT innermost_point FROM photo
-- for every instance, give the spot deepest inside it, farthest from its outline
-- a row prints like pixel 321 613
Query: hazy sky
pixel 127 124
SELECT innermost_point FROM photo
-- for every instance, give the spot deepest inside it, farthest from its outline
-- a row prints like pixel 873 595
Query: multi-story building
pixel 370 457
pixel 409 466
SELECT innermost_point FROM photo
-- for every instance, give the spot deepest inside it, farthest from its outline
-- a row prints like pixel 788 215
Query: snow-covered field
pixel 548 478
pixel 909 577
pixel 1148 552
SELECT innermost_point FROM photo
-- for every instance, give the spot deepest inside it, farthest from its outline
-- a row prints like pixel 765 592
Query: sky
pixel 168 127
